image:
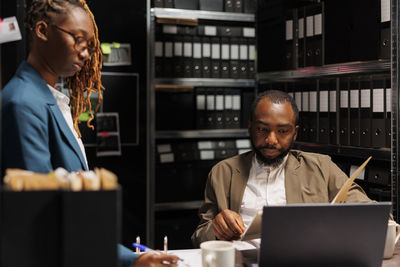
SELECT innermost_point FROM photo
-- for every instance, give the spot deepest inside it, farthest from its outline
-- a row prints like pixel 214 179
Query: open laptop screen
pixel 351 235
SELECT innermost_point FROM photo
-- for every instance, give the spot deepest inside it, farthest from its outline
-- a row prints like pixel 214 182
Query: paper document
pixel 253 231
pixel 9 30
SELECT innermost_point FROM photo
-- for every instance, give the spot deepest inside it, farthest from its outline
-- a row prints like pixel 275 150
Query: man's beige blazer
pixel 309 178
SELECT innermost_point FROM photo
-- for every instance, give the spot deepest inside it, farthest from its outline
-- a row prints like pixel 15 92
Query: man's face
pixel 272 131
pixel 62 56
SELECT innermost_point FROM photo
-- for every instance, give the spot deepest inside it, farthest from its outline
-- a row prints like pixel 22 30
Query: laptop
pixel 328 235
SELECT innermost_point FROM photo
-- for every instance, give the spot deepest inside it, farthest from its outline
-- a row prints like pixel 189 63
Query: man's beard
pixel 275 162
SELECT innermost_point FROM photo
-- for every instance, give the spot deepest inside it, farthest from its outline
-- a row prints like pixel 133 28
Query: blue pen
pixel 147 249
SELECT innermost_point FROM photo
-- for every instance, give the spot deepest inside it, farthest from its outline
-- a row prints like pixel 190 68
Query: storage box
pixel 60 228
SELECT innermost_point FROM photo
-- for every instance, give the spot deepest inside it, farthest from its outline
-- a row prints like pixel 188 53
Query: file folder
pixel 324 112
pixel 301 38
pixel 219 109
pixel 211 5
pixel 365 113
pixel 354 112
pixel 188 56
pixel 215 57
pixel 333 115
pixel 313 105
pixel 206 57
pixel 236 108
pixel 229 6
pixel 197 57
pixel 168 56
pixel 344 122
pixel 201 117
pixel 289 40
pixel 228 108
pixel 178 56
pixel 378 130
pixel 234 58
pixel 225 58
pixel 210 109
pixel 244 57
pixel 159 58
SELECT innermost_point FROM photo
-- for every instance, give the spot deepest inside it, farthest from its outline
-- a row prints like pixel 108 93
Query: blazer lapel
pixel 66 131
pixel 240 177
pixel 292 181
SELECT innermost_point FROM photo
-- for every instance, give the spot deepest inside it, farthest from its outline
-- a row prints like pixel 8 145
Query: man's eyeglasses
pixel 80 43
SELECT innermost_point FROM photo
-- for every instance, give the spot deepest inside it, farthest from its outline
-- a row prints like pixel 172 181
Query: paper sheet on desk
pixel 191 257
pixel 254 229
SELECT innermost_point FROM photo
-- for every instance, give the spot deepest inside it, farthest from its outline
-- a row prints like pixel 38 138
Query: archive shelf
pixel 203 134
pixel 187 205
pixel 200 82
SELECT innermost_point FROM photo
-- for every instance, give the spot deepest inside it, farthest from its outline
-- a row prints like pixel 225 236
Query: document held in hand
pixel 253 231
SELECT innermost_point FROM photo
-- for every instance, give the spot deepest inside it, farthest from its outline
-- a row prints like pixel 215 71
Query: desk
pixel 192 257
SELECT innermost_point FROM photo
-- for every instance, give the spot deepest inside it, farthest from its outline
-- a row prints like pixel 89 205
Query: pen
pixel 147 249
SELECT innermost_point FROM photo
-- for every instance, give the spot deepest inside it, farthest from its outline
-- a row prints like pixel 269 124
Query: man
pixel 271 174
pixel 40 130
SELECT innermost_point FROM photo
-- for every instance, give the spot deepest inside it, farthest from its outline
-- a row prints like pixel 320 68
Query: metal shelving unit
pixel 178 15
pixel 377 66
pixel 201 14
pixel 200 134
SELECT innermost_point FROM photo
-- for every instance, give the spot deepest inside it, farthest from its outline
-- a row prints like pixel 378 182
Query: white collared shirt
pixel 265 186
pixel 63 104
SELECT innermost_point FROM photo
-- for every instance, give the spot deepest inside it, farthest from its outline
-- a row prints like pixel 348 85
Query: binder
pixel 168 56
pixel 225 58
pixel 309 35
pixel 234 58
pixel 229 31
pixel 385 38
pixel 305 113
pixel 236 108
pixel 333 100
pixel 188 56
pixel 289 40
pixel 207 30
pixel 228 108
pixel 301 38
pixel 238 6
pixel 318 36
pixel 378 130
pixel 197 57
pixel 344 122
pixel 313 108
pixel 323 129
pixel 252 58
pixel 178 56
pixel 158 3
pixel 354 112
pixel 159 58
pixel 168 3
pixel 201 116
pixel 243 58
pixel 248 98
pixel 215 57
pixel 298 98
pixel 211 5
pixel 250 6
pixel 219 109
pixel 365 113
pixel 210 109
pixel 187 4
pixel 206 57
pixel 388 109
pixel 229 6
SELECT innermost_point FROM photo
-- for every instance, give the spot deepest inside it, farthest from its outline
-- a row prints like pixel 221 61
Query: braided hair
pixel 88 79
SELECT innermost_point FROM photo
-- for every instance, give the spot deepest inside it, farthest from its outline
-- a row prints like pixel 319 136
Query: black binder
pixel 201 116
pixel 250 6
pixel 378 130
pixel 229 6
pixel 229 31
pixel 210 109
pixel 244 57
pixel 168 56
pixel 344 121
pixel 225 58
pixel 234 58
pixel 159 58
pixel 290 40
pixel 238 6
pixel 333 114
pixel 385 43
pixel 354 112
pixel 323 102
pixel 228 108
pixel 252 55
pixel 206 57
pixel 215 57
pixel 301 38
pixel 178 56
pixel 236 108
pixel 197 57
pixel 313 23
pixel 187 4
pixel 168 3
pixel 158 3
pixel 188 56
pixel 219 108
pixel 313 108
pixel 211 5
pixel 365 113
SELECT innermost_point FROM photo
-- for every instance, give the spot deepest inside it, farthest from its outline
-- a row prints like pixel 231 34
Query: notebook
pixel 349 234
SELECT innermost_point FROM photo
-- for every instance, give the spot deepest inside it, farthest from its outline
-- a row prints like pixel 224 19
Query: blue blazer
pixel 35 135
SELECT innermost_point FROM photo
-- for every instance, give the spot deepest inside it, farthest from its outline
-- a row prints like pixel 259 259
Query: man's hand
pixel 228 225
pixel 155 260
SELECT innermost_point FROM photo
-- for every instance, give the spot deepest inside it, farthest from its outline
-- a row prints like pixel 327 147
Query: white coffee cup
pixel 217 254
pixel 391 239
